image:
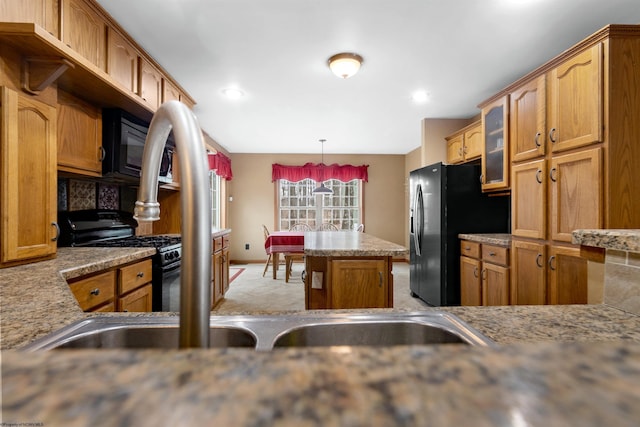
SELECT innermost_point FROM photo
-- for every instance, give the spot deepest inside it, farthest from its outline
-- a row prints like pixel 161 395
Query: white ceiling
pixel 459 51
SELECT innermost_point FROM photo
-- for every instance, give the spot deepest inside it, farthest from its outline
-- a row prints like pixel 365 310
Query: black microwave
pixel 123 138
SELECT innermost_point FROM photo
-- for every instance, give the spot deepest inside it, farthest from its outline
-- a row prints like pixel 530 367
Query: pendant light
pixel 322 189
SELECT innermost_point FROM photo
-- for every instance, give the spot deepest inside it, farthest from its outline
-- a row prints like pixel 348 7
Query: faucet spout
pixel 195 205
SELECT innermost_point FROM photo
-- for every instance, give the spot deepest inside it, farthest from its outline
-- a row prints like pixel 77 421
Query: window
pixel 297 204
pixel 214 186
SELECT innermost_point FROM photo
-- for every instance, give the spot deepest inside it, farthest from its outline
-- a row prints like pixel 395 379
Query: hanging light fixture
pixel 321 189
pixel 345 65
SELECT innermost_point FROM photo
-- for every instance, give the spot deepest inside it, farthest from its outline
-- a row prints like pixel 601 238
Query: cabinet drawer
pixel 495 254
pixel 94 290
pixel 470 249
pixel 217 244
pixel 133 276
pixel 225 242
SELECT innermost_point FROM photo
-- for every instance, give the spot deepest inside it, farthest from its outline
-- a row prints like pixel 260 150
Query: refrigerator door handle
pixel 417 218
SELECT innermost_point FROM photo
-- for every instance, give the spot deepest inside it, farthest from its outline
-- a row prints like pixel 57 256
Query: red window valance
pixel 319 172
pixel 222 165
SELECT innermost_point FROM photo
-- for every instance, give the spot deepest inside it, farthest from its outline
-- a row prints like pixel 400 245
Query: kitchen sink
pixel 266 332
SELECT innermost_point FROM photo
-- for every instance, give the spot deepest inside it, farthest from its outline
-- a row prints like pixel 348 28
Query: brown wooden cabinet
pixel 484 274
pixel 529 273
pixel 122 60
pixel 150 84
pixel 348 282
pixel 465 145
pixel 529 199
pixel 527 119
pixel 495 149
pixel 28 209
pixel 41 12
pixel 124 288
pixel 219 269
pixel 79 136
pixel 84 31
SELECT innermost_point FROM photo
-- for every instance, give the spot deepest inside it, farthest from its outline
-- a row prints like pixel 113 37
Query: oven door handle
pixel 171 267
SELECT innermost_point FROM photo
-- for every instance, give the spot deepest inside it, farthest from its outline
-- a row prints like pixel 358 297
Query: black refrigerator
pixel 446 200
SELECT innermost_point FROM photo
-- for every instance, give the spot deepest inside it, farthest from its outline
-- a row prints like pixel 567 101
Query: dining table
pixel 283 242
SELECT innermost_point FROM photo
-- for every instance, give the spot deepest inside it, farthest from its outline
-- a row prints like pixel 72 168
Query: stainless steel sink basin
pixel 265 332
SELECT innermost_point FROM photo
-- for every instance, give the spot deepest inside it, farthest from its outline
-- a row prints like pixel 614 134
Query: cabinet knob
pixel 103 154
pixel 536 139
pixel 552 175
pixel 483 274
pixel 55 239
pixel 492 254
pixel 140 274
pixel 552 264
pixel 552 135
pixel 95 291
pixel 538 258
pixel 539 176
pixel 475 272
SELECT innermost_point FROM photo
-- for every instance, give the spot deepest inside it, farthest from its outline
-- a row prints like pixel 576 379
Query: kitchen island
pixel 554 365
pixel 348 269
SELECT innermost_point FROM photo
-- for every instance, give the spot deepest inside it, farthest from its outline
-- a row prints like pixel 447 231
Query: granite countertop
pixel 554 365
pixel 623 240
pixel 498 239
pixel 349 243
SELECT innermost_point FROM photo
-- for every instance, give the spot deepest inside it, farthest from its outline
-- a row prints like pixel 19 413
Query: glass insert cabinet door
pixel 495 154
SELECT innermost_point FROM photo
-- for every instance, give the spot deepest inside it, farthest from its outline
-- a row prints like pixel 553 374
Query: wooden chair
pixel 290 257
pixel 269 260
pixel 327 226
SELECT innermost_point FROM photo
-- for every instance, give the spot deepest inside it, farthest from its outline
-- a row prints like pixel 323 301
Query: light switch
pixel 316 280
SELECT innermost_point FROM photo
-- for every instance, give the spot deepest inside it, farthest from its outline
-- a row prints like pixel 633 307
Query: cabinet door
pixel 529 199
pixel 567 276
pixel 472 147
pixel 528 282
pixel 79 136
pixel 218 285
pixel 225 271
pixel 150 84
pixel 454 149
pixel 576 92
pixel 139 300
pixel 41 12
pixel 28 209
pixel 358 284
pixel 495 284
pixel 94 290
pixel 527 114
pixel 576 193
pixel 134 276
pixel 122 61
pixel 470 283
pixel 495 150
pixel 169 91
pixel 84 31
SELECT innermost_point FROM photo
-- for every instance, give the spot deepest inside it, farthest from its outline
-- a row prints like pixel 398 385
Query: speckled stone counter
pixel 349 243
pixel 622 240
pixel 498 239
pixel 555 365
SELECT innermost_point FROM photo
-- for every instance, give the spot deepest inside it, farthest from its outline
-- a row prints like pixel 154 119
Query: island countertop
pixel 349 243
pixel 555 365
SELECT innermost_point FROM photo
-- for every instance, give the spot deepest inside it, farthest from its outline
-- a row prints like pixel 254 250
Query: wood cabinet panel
pixel 567 276
pixel 495 284
pixel 79 136
pixel 527 120
pixel 495 150
pixel 465 144
pixel 94 290
pixel 358 283
pixel 470 249
pixel 473 142
pixel 41 12
pixel 28 208
pixel 528 285
pixel 454 149
pixel 122 60
pixel 529 199
pixel 470 281
pixel 169 91
pixel 495 254
pixel 576 193
pixel 133 276
pixel 84 30
pixel 150 84
pixel 576 95
pixel 139 300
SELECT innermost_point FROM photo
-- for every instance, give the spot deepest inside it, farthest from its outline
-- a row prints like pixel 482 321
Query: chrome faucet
pixel 195 205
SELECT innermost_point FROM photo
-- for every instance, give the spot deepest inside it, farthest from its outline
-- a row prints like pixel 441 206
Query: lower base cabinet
pixel 484 274
pixel 123 288
pixel 219 269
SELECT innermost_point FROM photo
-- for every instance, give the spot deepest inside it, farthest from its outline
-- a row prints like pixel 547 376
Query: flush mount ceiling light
pixel 420 96
pixel 232 93
pixel 345 65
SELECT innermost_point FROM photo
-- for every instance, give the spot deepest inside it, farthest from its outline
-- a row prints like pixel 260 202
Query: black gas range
pixel 113 228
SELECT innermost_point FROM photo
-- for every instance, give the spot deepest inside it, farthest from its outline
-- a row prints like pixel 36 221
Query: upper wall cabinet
pixel 527 120
pixel 84 31
pixel 41 12
pixel 465 145
pixel 150 84
pixel 495 151
pixel 122 60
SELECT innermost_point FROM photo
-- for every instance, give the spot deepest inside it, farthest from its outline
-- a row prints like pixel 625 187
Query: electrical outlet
pixel 246 246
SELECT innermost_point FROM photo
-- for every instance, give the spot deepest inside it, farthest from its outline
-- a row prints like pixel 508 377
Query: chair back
pixel 300 227
pixel 358 227
pixel 266 231
pixel 327 226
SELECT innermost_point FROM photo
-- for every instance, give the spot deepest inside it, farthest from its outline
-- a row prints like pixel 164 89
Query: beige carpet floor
pixel 249 291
